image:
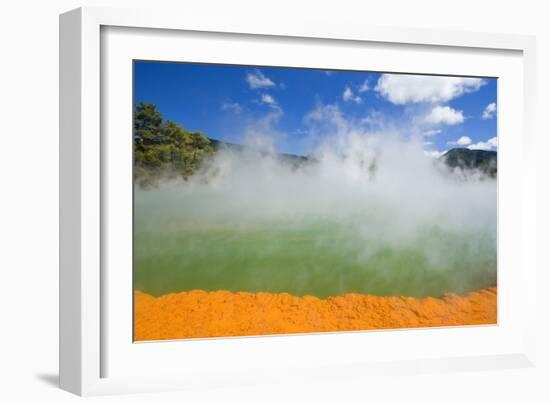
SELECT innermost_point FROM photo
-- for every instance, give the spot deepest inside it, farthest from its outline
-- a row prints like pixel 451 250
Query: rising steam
pixel 367 212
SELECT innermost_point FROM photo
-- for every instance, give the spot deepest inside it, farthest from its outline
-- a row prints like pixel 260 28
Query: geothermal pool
pixel 318 231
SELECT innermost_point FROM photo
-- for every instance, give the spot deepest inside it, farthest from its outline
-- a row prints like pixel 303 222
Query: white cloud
pixel 462 141
pixel 430 133
pixel 488 145
pixel 444 115
pixel 402 89
pixel 271 102
pixel 268 99
pixel 349 96
pixel 256 79
pixel 231 106
pixel 489 111
pixel 364 87
pixel 428 143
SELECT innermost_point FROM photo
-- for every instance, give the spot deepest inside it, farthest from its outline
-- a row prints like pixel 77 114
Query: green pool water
pixel 184 241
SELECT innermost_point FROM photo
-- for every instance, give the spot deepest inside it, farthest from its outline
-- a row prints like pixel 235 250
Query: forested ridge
pixel 163 148
pixel 466 159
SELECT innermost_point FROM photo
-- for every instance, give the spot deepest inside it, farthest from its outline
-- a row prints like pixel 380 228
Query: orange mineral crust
pixel 222 313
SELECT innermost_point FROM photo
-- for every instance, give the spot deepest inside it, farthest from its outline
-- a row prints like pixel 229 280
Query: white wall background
pixel 29 201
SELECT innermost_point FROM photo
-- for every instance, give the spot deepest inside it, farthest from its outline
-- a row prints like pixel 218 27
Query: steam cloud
pixel 371 200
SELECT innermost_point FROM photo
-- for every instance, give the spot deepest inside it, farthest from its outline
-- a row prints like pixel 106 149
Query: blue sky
pixel 297 108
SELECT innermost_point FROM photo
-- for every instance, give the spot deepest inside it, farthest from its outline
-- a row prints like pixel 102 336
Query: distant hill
pixel 222 145
pixel 464 158
pixel 292 159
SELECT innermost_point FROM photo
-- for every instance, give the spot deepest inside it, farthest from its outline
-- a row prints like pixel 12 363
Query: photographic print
pixel 283 200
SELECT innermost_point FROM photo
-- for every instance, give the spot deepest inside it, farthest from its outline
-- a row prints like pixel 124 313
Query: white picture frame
pixel 86 345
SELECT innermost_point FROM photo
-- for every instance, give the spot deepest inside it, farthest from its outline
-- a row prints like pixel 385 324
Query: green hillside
pixel 464 158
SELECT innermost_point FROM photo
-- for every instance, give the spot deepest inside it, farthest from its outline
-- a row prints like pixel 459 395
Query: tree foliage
pixel 162 148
